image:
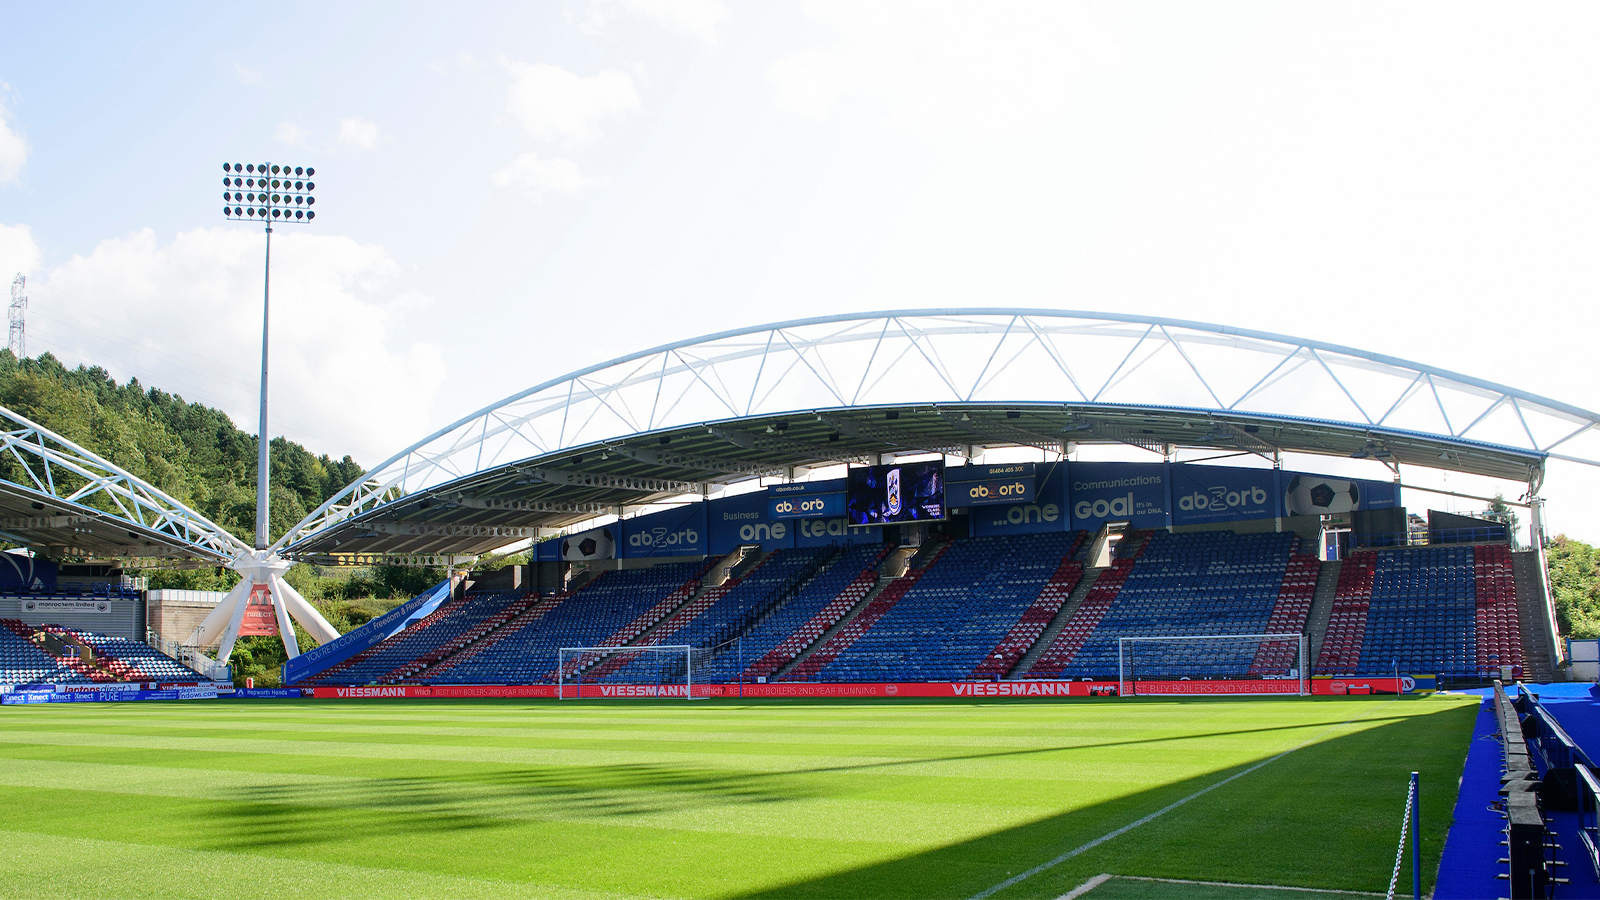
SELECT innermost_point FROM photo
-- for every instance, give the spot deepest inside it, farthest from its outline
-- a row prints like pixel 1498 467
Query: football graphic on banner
pixel 595 544
pixel 1310 495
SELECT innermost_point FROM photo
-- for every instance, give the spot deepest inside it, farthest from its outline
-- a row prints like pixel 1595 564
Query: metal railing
pixel 1589 815
pixel 190 656
pixel 1444 537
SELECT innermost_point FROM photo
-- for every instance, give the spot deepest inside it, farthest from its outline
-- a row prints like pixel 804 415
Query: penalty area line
pixel 1111 835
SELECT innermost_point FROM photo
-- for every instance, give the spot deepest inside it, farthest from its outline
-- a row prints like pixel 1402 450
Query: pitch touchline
pixel 982 895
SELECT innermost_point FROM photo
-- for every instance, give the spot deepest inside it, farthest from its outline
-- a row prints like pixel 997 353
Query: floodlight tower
pixel 17 338
pixel 269 194
pixel 266 193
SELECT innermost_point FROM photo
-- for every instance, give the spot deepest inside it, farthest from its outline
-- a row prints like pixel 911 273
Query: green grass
pixel 394 799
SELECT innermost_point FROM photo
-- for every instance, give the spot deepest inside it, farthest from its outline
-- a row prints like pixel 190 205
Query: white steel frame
pixel 952 356
pixel 46 457
pixel 1124 664
pixel 688 667
pixel 49 459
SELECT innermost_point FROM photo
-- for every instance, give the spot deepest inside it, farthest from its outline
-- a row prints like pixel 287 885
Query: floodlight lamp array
pixel 267 193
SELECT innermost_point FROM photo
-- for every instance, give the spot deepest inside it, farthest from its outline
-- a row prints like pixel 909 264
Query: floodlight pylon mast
pixel 269 193
pixel 17 336
pixel 264 456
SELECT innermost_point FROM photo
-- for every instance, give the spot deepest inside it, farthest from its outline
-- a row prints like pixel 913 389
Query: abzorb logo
pixel 1219 499
pixel 661 539
pixel 801 506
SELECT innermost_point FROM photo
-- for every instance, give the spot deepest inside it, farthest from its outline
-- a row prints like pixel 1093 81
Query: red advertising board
pixel 910 690
pixel 259 616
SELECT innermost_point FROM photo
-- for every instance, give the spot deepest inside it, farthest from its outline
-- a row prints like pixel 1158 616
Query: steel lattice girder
pixel 68 501
pixel 1103 377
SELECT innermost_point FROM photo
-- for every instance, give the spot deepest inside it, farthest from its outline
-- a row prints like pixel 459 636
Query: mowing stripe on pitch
pixel 1076 851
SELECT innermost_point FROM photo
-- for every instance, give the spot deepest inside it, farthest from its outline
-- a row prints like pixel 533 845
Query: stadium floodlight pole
pixel 266 193
pixel 269 194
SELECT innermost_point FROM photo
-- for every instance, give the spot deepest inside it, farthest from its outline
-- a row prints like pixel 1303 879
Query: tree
pixel 1575 585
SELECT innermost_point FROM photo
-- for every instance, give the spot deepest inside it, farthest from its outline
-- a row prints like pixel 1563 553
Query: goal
pixel 1212 664
pixel 664 671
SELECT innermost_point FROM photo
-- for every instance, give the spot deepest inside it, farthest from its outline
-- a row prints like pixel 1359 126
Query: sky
pixel 510 191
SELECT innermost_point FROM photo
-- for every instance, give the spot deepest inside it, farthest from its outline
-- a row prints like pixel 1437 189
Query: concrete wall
pixel 174 615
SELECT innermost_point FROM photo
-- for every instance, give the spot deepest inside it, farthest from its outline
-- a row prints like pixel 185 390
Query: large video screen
pixel 905 492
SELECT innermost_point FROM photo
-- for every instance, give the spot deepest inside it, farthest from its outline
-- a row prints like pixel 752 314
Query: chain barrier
pixel 1400 853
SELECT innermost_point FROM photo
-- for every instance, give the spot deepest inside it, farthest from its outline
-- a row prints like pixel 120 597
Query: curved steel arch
pixel 64 480
pixel 971 356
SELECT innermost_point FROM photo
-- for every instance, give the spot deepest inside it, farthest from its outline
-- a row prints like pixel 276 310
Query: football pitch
pixel 826 799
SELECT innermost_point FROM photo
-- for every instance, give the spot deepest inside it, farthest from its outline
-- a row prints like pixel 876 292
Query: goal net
pixel 665 671
pixel 1212 664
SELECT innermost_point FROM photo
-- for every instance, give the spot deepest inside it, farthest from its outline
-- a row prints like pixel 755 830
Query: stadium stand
pixel 449 619
pixel 812 661
pixel 797 624
pixel 1197 583
pixel 1031 625
pixel 613 608
pixel 970 608
pixel 1288 616
pixel 720 614
pixel 129 660
pixel 1499 629
pixel 1415 609
pixel 24 662
pixel 954 615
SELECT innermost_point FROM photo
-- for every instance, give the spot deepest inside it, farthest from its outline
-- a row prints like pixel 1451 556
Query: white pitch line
pixel 1045 866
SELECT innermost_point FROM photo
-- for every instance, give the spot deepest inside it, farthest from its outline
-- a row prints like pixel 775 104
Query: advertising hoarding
pixel 1117 492
pixel 1047 511
pixel 1208 494
pixel 731 521
pixel 672 532
pixel 989 485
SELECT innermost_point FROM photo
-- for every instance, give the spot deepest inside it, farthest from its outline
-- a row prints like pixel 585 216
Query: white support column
pixel 225 649
pixel 217 620
pixel 291 644
pixel 303 612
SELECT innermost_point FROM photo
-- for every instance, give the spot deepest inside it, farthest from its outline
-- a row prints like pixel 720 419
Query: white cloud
pixel 697 19
pixel 936 66
pixel 246 75
pixel 535 177
pixel 19 254
pixel 358 134
pixel 186 316
pixel 292 134
pixel 556 105
pixel 13 149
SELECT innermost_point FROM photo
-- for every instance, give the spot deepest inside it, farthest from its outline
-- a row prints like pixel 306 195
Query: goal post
pixel 1265 661
pixel 663 670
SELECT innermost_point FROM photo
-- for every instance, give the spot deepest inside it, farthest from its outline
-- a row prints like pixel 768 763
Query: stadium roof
pixel 65 501
pixel 690 417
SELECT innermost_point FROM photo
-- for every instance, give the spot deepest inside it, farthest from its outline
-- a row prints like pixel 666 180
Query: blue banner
pixel 1047 511
pixel 270 693
pixel 547 551
pixel 356 640
pixel 18 698
pixel 731 521
pixel 989 485
pixel 1207 494
pixel 1117 492
pixel 672 532
pixel 837 530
